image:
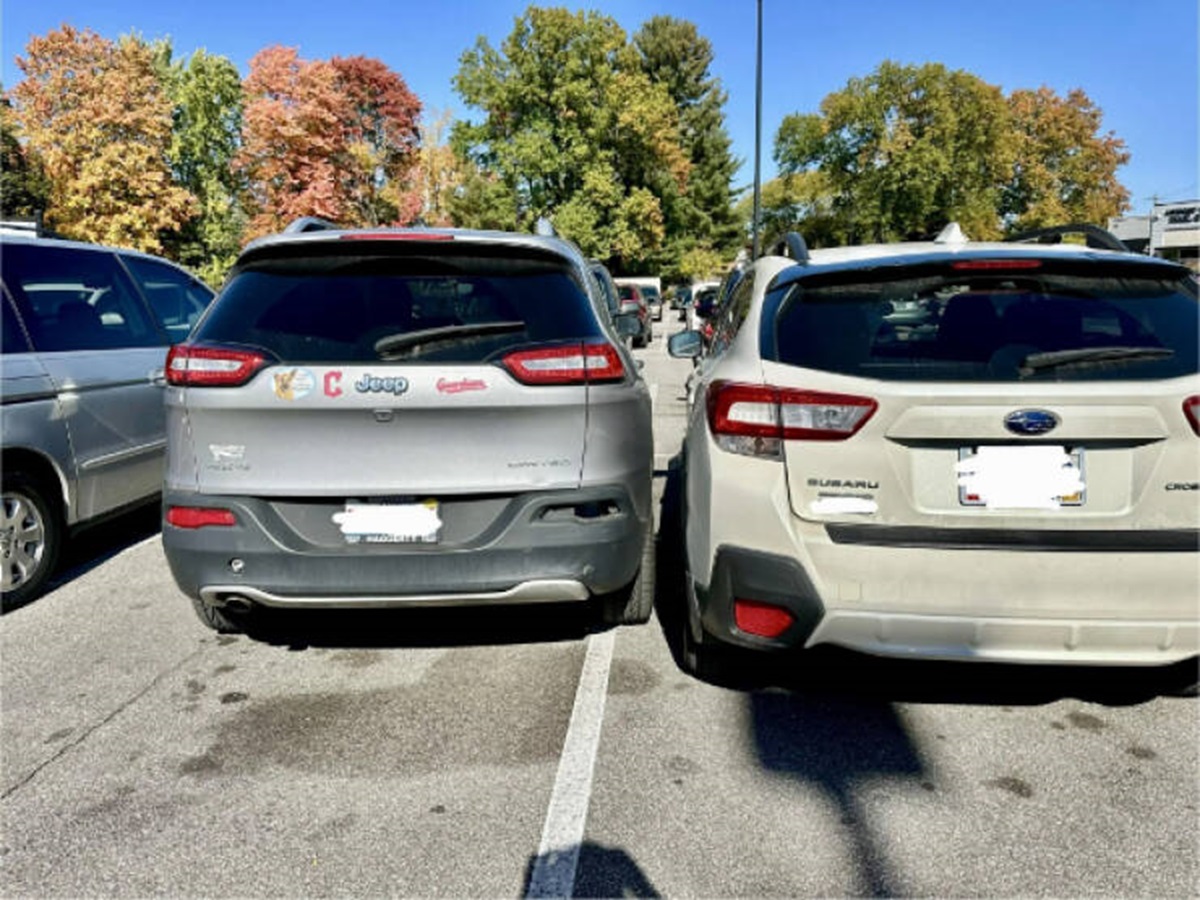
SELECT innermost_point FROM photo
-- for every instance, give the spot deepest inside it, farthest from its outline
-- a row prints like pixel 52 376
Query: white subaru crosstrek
pixel 948 450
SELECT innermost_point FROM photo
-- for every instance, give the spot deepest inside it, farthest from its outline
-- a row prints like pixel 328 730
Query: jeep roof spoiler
pixel 309 223
pixel 792 246
pixel 1097 238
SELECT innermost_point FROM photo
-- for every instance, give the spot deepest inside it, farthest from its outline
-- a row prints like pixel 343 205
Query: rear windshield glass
pixel 942 326
pixel 367 309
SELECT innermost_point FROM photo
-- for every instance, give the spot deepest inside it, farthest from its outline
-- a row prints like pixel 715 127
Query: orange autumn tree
pixel 96 115
pixel 335 139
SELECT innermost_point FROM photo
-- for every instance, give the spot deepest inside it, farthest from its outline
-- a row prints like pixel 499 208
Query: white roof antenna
pixel 951 234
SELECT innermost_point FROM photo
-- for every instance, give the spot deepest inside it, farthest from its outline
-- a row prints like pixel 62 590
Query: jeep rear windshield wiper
pixel 1091 357
pixel 392 343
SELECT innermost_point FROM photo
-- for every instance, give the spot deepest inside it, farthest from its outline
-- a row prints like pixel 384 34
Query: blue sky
pixel 1137 61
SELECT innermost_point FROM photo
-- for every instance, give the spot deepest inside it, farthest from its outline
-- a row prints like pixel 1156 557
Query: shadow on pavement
pixel 600 872
pixel 449 627
pixel 93 546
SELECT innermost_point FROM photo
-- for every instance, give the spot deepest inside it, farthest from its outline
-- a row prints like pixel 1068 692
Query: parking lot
pixel 510 752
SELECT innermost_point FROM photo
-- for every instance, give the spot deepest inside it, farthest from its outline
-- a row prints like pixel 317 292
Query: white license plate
pixel 1021 477
pixel 389 523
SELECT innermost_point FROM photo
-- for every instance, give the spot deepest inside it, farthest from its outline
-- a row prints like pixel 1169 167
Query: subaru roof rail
pixel 1097 238
pixel 792 246
pixel 309 223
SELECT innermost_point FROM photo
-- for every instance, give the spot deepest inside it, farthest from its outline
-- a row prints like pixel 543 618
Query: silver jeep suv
pixel 408 417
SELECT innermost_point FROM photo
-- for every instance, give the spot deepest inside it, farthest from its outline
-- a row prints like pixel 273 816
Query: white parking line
pixel 558 856
pixel 653 395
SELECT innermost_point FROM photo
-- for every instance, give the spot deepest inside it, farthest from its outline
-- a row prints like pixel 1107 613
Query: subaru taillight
pixel 195 366
pixel 754 419
pixel 588 363
pixel 1191 409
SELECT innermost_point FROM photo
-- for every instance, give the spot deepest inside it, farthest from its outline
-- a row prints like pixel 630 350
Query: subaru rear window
pixel 1063 323
pixel 403 308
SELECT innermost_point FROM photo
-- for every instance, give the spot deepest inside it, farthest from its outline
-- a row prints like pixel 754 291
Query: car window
pixel 12 337
pixel 75 299
pixel 320 309
pixel 175 299
pixel 939 326
pixel 733 313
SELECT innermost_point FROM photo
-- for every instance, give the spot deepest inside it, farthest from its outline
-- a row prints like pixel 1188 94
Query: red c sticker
pixel 333 384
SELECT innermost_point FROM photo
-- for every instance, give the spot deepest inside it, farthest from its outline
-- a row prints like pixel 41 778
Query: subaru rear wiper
pixel 1091 357
pixel 390 344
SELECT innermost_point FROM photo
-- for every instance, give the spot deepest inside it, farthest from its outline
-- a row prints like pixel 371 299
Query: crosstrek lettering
pixel 447 386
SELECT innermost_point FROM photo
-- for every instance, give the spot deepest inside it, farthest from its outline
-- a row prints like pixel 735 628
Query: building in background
pixel 1172 231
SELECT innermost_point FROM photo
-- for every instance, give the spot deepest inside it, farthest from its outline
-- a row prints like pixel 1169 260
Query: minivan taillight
pixel 194 366
pixel 589 363
pixel 1191 409
pixel 752 419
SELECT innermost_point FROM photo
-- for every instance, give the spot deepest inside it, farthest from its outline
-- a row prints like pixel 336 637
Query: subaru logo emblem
pixel 1030 422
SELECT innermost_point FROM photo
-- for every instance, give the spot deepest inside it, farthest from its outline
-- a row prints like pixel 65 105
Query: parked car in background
pixel 627 324
pixel 418 417
pixel 651 290
pixel 948 450
pixel 704 301
pixel 85 335
pixel 633 302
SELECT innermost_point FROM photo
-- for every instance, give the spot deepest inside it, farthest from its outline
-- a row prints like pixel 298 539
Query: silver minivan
pixel 85 331
pixel 408 417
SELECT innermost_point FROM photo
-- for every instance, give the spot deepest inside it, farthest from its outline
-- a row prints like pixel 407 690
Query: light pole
pixel 757 133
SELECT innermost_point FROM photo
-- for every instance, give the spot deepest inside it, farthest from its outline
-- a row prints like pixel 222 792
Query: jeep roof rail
pixel 309 223
pixel 791 245
pixel 1096 237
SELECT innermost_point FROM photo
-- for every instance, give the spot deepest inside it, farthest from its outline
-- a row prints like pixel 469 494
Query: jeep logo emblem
pixel 370 384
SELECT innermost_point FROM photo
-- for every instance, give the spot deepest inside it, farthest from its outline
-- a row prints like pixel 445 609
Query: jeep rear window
pixel 444 308
pixel 1061 323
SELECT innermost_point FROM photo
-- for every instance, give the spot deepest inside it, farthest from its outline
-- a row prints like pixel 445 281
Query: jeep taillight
pixel 754 419
pixel 194 366
pixel 588 363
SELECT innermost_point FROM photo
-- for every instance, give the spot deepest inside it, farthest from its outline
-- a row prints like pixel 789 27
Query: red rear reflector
pixel 572 364
pixel 199 516
pixel 762 619
pixel 395 236
pixel 969 265
pixel 1191 409
pixel 193 366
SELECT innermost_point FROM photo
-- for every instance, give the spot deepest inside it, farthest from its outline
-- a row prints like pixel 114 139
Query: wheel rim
pixel 22 541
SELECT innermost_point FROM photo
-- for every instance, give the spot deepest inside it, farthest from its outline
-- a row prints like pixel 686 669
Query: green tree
pixel 24 188
pixel 906 150
pixel 1065 169
pixel 699 220
pixel 574 129
pixel 802 202
pixel 96 114
pixel 206 91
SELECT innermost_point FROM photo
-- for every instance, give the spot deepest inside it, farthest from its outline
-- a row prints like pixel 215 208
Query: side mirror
pixel 627 325
pixel 686 345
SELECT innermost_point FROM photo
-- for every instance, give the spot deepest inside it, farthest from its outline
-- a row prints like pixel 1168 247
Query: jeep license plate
pixel 389 523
